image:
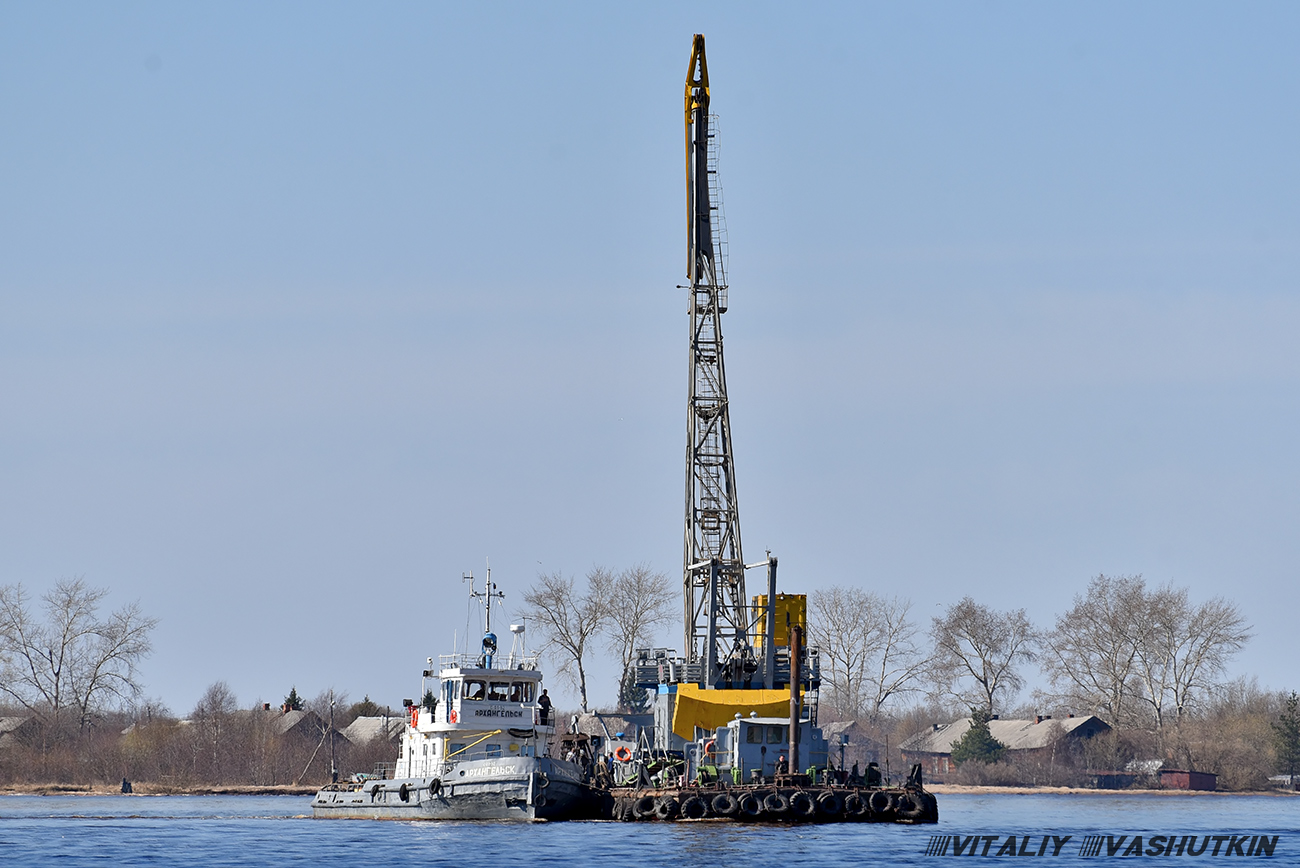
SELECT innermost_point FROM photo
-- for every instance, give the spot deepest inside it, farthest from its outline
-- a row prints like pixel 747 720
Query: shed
pixel 1179 779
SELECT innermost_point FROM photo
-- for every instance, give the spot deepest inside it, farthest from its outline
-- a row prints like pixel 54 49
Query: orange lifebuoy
pixel 453 716
pixel 623 754
pixel 709 747
pixel 415 715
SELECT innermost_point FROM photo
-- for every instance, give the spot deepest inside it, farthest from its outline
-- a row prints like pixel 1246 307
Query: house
pixel 932 748
pixel 14 729
pixel 366 729
pixel 303 723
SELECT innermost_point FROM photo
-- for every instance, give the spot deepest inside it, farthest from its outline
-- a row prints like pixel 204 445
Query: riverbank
pixel 148 789
pixel 958 789
pixel 151 789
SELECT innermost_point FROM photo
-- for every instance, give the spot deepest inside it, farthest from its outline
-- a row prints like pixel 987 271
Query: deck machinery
pixel 734 734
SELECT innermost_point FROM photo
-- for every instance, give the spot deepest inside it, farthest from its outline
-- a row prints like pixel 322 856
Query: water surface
pixel 75 831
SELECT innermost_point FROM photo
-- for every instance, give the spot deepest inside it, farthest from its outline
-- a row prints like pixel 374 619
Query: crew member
pixel 544 703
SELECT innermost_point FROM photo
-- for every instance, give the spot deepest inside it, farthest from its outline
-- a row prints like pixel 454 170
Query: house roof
pixel 1015 734
pixel 364 729
pixel 590 723
pixel 10 724
pixel 294 720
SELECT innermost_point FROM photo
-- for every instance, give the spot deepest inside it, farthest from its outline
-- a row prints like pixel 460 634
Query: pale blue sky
pixel 307 308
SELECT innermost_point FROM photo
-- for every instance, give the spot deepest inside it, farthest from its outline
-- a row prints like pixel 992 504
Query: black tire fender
pixel 694 808
pixel 830 804
pixel 644 808
pixel 667 808
pixel 802 805
pixel 776 804
pixel 725 805
pixel 882 803
pixel 910 806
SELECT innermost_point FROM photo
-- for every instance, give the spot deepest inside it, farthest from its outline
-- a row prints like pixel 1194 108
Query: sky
pixel 307 309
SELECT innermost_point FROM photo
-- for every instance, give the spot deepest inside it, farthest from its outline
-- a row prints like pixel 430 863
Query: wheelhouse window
pixel 494 750
pixel 499 691
pixel 776 735
pixel 450 691
pixel 521 691
pixel 475 690
pixel 753 735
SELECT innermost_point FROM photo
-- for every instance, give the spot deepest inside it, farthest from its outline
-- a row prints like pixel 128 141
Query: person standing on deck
pixel 544 703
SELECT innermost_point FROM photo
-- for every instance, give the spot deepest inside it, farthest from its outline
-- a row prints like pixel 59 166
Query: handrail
pixel 471 744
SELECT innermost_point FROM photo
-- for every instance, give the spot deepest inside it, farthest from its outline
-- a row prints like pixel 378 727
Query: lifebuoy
pixel 452 716
pixel 623 754
pixel 709 748
pixel 415 715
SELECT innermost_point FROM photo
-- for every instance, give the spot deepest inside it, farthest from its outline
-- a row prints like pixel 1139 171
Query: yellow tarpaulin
pixel 710 709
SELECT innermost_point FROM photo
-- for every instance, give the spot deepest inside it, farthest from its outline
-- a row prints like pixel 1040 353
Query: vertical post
pixel 796 677
pixel 334 767
pixel 769 636
pixel 711 642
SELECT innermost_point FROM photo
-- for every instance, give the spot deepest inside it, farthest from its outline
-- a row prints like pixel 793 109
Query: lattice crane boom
pixel 716 610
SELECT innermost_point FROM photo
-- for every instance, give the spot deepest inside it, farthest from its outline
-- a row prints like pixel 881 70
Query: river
pixel 76 831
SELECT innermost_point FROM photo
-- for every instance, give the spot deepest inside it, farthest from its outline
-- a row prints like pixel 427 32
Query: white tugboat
pixel 474 748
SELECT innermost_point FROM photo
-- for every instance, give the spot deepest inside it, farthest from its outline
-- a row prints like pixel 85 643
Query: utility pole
pixel 716 610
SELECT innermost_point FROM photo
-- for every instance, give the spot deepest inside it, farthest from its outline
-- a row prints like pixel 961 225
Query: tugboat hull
pixel 517 789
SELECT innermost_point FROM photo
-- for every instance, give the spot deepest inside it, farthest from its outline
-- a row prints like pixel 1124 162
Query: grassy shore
pixel 953 789
pixel 147 789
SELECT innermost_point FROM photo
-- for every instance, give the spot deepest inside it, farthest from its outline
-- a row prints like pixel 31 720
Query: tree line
pixel 1149 660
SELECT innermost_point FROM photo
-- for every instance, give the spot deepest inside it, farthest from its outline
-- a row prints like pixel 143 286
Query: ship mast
pixel 488 594
pixel 716 631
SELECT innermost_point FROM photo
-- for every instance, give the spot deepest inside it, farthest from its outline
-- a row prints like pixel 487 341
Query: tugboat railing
pixel 518 662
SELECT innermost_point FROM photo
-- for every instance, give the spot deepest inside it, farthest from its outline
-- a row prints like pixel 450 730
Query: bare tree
pixel 642 601
pixel 570 618
pixel 1183 648
pixel 1091 656
pixel 978 650
pixel 74 661
pixel 211 720
pixel 1139 656
pixel 868 648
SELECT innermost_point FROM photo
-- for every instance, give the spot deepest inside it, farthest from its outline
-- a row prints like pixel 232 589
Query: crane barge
pixel 735 733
